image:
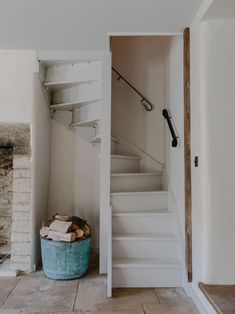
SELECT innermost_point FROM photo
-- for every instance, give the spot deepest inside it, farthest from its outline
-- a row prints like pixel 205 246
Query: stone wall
pixel 6 181
pixel 20 199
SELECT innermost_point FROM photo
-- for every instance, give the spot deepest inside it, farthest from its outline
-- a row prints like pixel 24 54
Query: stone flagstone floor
pixel 35 293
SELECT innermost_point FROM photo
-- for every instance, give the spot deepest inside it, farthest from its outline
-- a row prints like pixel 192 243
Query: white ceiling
pixel 221 9
pixel 83 24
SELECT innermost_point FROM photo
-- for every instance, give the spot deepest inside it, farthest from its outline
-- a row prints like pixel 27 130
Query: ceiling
pixel 84 24
pixel 221 9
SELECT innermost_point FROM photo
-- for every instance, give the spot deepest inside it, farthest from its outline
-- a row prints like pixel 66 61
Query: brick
pixel 23 248
pixel 22 185
pixel 20 236
pixel 21 226
pixel 21 266
pixel 21 198
pixel 20 216
pixel 22 173
pixel 21 162
pixel 21 207
pixel 21 259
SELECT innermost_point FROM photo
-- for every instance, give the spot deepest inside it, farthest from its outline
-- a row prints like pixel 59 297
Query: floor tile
pixel 6 287
pixel 221 297
pixel 8 284
pixel 92 296
pixel 172 296
pixel 35 294
pixel 170 309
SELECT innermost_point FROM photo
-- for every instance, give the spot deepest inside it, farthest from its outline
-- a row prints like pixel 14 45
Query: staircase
pixel 145 248
pixel 144 240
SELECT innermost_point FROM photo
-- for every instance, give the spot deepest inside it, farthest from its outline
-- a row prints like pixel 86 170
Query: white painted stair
pixel 74 86
pixel 144 241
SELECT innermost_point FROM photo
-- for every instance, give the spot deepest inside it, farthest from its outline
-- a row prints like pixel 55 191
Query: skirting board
pixel 199 299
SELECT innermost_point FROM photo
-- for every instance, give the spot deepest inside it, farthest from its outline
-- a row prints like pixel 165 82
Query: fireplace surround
pixel 16 194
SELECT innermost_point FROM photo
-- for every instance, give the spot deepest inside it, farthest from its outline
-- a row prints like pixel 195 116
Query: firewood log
pixel 44 231
pixel 60 226
pixel 79 233
pixel 59 236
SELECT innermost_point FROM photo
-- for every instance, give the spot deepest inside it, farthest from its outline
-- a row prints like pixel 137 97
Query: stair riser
pixel 144 248
pixel 136 224
pixel 81 92
pixel 124 165
pixel 89 112
pixel 136 183
pixel 138 202
pixel 70 72
pixel 143 278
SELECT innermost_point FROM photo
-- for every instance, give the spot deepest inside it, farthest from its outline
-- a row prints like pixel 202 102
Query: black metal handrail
pixel 148 107
pixel 166 115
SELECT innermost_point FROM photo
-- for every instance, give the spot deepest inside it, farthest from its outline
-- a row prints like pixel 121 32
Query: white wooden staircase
pixel 145 249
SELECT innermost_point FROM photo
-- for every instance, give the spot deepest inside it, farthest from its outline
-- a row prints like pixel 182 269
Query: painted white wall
pixel 41 140
pixel 174 161
pixel 212 70
pixel 22 101
pixel 16 85
pixel 219 174
pixel 83 25
pixel 141 60
pixel 74 183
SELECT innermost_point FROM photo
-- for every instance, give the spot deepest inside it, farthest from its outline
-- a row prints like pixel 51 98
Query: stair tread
pixel 88 123
pixel 72 105
pixel 144 236
pixel 55 85
pixel 125 156
pixel 154 212
pixel 138 193
pixel 129 174
pixel 146 262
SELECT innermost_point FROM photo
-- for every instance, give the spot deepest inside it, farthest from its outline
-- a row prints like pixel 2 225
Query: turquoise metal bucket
pixel 64 261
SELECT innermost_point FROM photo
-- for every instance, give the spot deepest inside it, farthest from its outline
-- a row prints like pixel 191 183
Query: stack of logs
pixel 65 228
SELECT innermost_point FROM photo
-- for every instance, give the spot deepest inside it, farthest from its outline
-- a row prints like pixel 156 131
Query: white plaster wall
pixel 83 25
pixel 198 148
pixel 218 99
pixel 16 85
pixel 141 60
pixel 74 183
pixel 41 141
pixel 174 160
pixel 22 101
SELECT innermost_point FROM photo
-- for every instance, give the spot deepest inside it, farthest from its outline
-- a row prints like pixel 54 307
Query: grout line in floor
pixel 143 309
pixel 74 303
pixel 10 292
pixel 158 296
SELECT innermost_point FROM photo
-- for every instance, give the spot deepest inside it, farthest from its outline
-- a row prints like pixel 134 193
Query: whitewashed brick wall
pixel 21 246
